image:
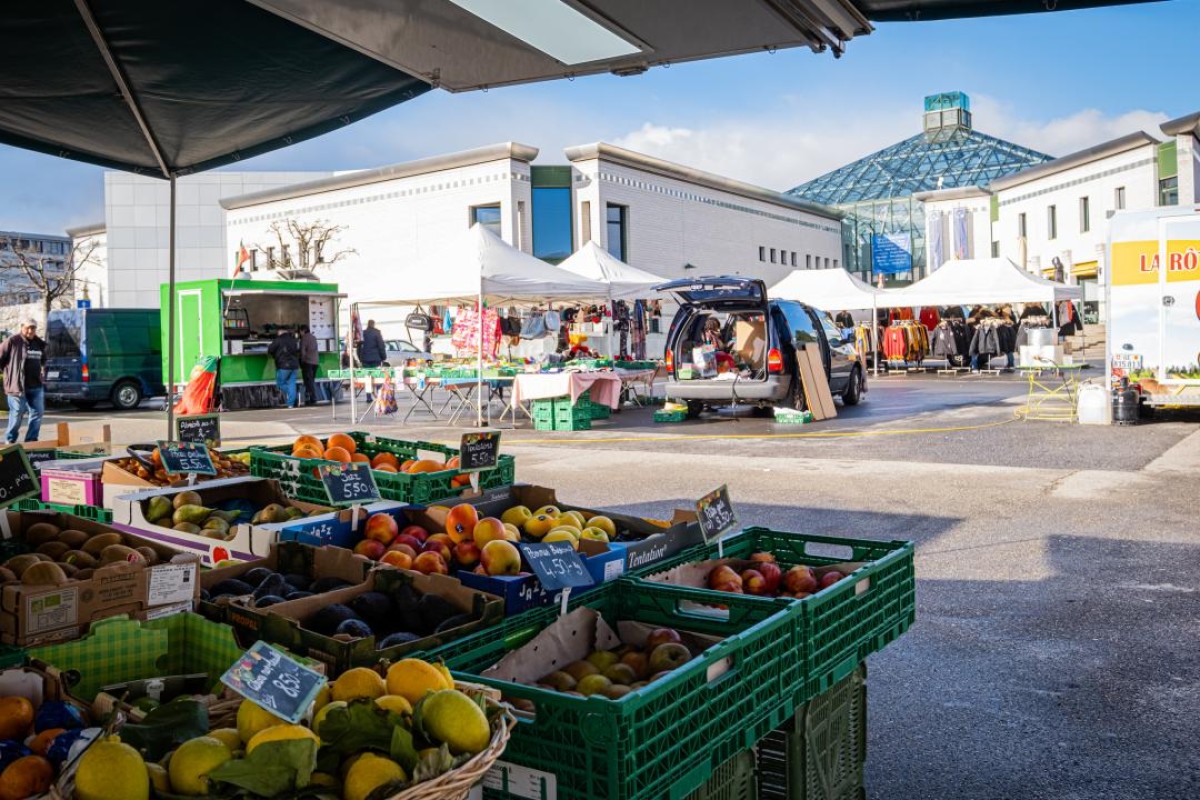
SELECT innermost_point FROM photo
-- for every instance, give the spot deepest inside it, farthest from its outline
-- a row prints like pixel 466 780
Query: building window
pixel 271 257
pixel 772 255
pixel 1168 192
pixel 1022 226
pixel 585 214
pixel 762 254
pixel 1052 222
pixel 808 261
pixel 487 216
pixel 827 263
pixel 835 263
pixel 793 258
pixel 995 249
pixel 617 224
pixel 1119 199
pixel 1085 215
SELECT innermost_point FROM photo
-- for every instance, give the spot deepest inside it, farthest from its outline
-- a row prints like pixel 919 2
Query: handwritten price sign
pixel 182 458
pixel 348 484
pixel 716 515
pixel 276 682
pixel 556 565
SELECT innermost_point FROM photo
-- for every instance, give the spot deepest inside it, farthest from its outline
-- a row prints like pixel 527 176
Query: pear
pixel 188 498
pixel 159 508
pixel 268 514
pixel 191 513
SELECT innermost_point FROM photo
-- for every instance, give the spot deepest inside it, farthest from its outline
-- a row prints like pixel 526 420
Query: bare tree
pixel 304 245
pixel 52 277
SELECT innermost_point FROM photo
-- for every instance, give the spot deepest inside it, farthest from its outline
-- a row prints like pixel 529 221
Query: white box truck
pixel 1153 284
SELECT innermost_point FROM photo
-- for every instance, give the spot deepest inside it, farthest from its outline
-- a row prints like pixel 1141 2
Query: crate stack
pixel 560 414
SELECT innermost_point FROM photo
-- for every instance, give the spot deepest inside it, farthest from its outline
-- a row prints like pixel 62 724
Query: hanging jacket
pixel 942 342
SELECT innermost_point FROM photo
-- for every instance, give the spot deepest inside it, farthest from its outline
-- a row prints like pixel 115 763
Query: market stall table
pixel 1048 399
pixel 604 389
pixel 637 385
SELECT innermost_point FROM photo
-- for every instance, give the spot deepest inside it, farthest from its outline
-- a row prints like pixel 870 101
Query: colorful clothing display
pixel 465 334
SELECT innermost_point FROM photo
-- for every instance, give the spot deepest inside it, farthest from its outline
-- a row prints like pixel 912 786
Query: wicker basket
pixel 456 784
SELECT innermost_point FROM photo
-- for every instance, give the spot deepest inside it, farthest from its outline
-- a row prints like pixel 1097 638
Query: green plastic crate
pixel 94 513
pixel 843 624
pixel 733 780
pixel 600 411
pixel 670 416
pixel 298 480
pixel 665 740
pixel 822 752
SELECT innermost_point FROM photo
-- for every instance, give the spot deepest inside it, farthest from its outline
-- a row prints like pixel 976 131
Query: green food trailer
pixel 236 320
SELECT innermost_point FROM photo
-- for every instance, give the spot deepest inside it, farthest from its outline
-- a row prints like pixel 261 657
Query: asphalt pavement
pixel 1054 652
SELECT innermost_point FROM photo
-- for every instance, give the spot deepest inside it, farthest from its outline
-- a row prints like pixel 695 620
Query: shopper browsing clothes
pixel 22 359
pixel 286 352
pixel 309 359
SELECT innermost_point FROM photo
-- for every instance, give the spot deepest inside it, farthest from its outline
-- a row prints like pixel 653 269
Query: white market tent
pixel 624 282
pixel 830 290
pixel 985 281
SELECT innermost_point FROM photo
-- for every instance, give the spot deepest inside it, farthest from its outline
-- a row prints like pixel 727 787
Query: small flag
pixel 242 257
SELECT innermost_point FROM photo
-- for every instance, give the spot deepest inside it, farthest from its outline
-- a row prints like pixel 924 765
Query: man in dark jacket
pixel 286 352
pixel 23 360
pixel 374 351
pixel 309 359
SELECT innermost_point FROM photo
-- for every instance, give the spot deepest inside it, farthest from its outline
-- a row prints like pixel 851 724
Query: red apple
pixel 753 582
pixel 400 547
pixel 397 559
pixel 671 655
pixel 381 527
pixel 415 531
pixel 722 574
pixel 500 557
pixel 416 544
pixel 800 579
pixel 431 562
pixel 466 553
pixel 662 636
pixel 371 548
pixel 830 578
pixel 639 661
pixel 442 544
pixel 773 576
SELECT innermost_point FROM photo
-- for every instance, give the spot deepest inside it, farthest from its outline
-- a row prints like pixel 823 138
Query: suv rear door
pixel 700 297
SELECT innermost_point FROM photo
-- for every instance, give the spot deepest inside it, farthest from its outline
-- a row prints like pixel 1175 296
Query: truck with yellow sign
pixel 1154 303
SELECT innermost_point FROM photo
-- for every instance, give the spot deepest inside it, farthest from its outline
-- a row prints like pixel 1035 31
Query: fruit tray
pixel 821 753
pixel 667 738
pixel 843 624
pixel 94 513
pixel 298 478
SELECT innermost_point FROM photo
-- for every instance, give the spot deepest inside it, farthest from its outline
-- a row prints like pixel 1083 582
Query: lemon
pixel 394 702
pixel 368 773
pixel 412 678
pixel 358 682
pixel 252 718
pixel 323 779
pixel 193 760
pixel 112 770
pixel 159 780
pixel 229 737
pixel 451 717
pixel 319 717
pixel 281 733
pixel 323 698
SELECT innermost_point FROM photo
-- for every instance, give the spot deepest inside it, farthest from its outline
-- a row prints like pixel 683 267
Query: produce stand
pixel 237 320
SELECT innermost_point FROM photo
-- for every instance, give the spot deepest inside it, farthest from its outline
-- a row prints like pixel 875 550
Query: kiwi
pixel 73 539
pixel 80 559
pixel 83 574
pixel 54 550
pixel 96 544
pixel 44 573
pixel 70 569
pixel 148 554
pixel 7 575
pixel 18 564
pixel 41 556
pixel 119 552
pixel 41 532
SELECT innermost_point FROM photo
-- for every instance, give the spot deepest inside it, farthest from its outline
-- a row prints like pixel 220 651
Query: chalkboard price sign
pixel 349 483
pixel 479 451
pixel 183 458
pixel 39 457
pixel 274 681
pixel 716 515
pixel 556 565
pixel 16 476
pixel 202 428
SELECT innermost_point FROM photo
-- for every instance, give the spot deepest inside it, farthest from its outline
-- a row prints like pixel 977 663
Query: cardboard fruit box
pixel 342 528
pixel 284 558
pixel 115 478
pixel 246 540
pixel 290 624
pixel 37 614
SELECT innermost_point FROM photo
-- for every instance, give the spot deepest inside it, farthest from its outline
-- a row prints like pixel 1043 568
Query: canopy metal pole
pixel 875 333
pixel 479 358
pixel 171 302
pixel 351 353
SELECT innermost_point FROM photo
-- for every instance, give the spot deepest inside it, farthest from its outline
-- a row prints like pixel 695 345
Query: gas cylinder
pixel 1125 404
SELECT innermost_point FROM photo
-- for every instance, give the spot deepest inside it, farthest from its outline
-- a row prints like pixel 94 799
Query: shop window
pixel 1119 198
pixel 617 225
pixel 1052 222
pixel 487 216
pixel 1085 215
pixel 1168 192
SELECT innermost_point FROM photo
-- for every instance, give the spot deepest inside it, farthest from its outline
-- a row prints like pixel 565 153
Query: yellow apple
pixel 605 524
pixel 517 515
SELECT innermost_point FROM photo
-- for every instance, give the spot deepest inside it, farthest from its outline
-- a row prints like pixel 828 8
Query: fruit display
pixel 262 587
pixel 149 467
pixel 369 734
pixel 36 742
pixel 342 447
pixel 57 555
pixel 617 672
pixel 763 576
pixel 186 513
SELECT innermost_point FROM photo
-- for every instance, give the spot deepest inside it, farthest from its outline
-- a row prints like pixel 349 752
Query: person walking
pixel 308 364
pixel 374 351
pixel 23 362
pixel 286 352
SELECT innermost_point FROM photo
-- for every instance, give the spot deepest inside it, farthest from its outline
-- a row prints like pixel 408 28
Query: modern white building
pixel 1052 219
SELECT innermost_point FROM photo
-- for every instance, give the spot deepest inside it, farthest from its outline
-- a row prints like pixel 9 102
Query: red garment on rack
pixel 929 318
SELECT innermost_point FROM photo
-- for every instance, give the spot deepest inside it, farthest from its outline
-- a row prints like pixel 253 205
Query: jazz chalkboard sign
pixel 184 458
pixel 202 428
pixel 274 681
pixel 16 476
pixel 349 483
pixel 479 451
pixel 556 565
pixel 41 456
pixel 715 514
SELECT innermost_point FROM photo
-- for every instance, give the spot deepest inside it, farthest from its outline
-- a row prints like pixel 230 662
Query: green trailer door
pixel 189 332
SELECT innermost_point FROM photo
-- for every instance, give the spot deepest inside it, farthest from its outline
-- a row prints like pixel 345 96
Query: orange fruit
pixel 41 742
pixel 385 458
pixel 426 465
pixel 343 441
pixel 452 463
pixel 407 465
pixel 26 777
pixel 338 454
pixel 308 451
pixel 308 439
pixel 384 467
pixel 16 717
pixel 361 458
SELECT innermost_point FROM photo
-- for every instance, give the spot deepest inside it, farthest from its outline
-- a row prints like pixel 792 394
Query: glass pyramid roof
pixel 943 158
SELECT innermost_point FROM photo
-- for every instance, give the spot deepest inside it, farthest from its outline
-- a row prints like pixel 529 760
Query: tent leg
pixel 479 363
pixel 171 302
pixel 351 354
pixel 875 335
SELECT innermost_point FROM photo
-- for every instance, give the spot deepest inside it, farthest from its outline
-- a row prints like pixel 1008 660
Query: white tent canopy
pixel 625 282
pixel 985 281
pixel 830 290
pixel 480 263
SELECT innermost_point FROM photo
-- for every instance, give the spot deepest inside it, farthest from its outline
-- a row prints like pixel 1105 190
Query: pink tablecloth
pixel 605 387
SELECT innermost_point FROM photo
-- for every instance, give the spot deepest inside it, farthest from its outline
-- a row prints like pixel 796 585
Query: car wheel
pixel 695 409
pixel 853 392
pixel 796 395
pixel 126 396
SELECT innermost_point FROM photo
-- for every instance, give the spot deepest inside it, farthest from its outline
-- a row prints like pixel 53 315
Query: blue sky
pixel 1056 82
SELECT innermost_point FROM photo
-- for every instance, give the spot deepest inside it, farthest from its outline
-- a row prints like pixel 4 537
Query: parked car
pixel 95 355
pixel 762 337
pixel 401 350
